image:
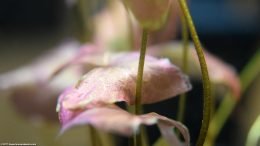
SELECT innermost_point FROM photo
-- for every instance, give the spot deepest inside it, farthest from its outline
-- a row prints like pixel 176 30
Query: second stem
pixel 185 43
pixel 205 76
pixel 139 82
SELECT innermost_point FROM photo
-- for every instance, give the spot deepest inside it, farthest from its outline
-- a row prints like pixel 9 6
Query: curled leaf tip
pixel 126 124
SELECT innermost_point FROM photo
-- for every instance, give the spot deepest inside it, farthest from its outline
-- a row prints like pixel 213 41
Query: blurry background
pixel 230 29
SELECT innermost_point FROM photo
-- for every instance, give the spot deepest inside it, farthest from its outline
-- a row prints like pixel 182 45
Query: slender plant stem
pixel 205 76
pixel 219 118
pixel 254 133
pixel 131 141
pixel 181 107
pixel 93 135
pixel 227 105
pixel 185 43
pixel 83 12
pixel 144 137
pixel 250 72
pixel 213 100
pixel 139 83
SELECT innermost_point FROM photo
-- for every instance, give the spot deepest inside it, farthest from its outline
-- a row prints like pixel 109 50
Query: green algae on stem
pixel 185 43
pixel 205 76
pixel 139 83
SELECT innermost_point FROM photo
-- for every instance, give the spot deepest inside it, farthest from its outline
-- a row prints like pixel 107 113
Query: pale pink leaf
pixel 113 119
pixel 223 73
pixel 87 57
pixel 220 72
pixel 161 80
pixel 41 68
pixel 30 90
pixel 64 114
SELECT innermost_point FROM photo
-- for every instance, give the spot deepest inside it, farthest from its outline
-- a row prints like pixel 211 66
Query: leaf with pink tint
pixel 87 57
pixel 117 82
pixel 220 72
pixel 113 119
pixel 64 114
pixel 30 90
pixel 41 68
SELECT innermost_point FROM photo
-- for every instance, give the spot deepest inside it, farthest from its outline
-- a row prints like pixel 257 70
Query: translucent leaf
pixel 30 90
pixel 110 118
pixel 117 82
pixel 220 72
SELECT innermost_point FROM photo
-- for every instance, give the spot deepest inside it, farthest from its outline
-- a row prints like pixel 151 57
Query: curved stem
pixel 205 76
pixel 139 83
pixel 185 43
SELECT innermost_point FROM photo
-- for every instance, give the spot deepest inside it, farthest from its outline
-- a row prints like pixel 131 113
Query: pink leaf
pixel 87 57
pixel 30 90
pixel 220 72
pixel 116 83
pixel 113 119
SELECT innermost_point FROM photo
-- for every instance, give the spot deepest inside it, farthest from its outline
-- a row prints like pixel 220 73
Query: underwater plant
pixel 88 81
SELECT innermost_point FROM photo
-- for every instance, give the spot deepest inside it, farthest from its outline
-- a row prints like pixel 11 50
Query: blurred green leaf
pixel 161 142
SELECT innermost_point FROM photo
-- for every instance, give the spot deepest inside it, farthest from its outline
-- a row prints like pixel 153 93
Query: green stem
pixel 83 12
pixel 93 135
pixel 250 72
pixel 213 100
pixel 185 43
pixel 227 105
pixel 181 107
pixel 205 76
pixel 144 137
pixel 219 118
pixel 254 133
pixel 131 141
pixel 139 83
